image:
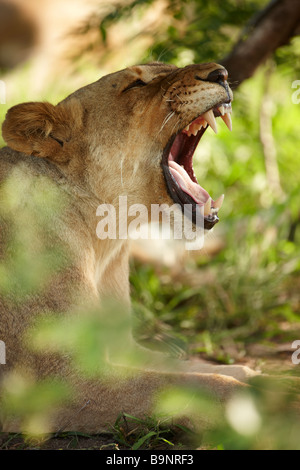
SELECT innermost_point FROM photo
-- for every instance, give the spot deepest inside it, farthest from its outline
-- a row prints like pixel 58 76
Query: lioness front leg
pixel 99 403
pixel 115 281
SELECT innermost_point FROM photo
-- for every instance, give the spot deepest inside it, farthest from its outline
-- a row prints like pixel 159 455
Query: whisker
pixel 166 120
pixel 176 124
pixel 135 169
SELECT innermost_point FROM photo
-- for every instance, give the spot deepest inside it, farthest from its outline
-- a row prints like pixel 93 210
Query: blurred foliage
pixel 32 404
pixel 27 207
pixel 173 31
pixel 205 30
pixel 108 329
pixel 259 418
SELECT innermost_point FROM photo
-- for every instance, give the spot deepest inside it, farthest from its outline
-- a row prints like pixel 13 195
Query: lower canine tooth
pixel 207 206
pixel 227 119
pixel 210 118
pixel 218 203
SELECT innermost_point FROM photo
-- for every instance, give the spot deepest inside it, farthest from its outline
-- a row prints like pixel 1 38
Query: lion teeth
pixel 207 206
pixel 218 203
pixel 227 119
pixel 196 128
pixel 193 128
pixel 210 118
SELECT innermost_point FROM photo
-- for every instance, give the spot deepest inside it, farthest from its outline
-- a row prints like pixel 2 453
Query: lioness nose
pixel 219 75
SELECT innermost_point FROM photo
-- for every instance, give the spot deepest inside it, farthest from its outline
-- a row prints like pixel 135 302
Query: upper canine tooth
pixel 227 119
pixel 222 110
pixel 207 206
pixel 218 203
pixel 210 118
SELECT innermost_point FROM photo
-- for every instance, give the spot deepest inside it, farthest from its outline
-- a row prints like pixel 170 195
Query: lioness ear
pixel 43 130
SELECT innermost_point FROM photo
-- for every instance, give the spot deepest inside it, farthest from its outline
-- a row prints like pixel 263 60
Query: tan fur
pixel 99 143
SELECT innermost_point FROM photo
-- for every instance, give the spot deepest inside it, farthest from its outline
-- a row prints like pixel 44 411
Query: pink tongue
pixel 187 185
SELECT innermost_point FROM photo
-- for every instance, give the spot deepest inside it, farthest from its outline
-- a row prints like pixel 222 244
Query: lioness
pixel 131 133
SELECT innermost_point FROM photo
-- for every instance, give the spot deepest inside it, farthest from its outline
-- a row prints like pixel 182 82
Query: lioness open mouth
pixel 178 170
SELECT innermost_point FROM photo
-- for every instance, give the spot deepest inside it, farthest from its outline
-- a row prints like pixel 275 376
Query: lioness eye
pixel 137 83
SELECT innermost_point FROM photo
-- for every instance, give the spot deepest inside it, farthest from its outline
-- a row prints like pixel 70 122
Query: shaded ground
pixel 67 441
pixel 79 441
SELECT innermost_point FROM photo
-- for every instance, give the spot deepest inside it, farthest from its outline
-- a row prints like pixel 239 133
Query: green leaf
pixel 143 439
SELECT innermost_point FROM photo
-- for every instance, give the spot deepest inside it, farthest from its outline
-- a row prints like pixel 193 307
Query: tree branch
pixel 272 28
